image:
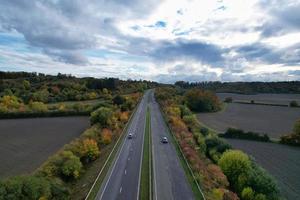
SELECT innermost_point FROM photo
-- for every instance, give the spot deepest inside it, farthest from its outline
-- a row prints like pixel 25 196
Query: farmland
pixel 280 160
pixel 27 143
pixel 273 120
pixel 282 99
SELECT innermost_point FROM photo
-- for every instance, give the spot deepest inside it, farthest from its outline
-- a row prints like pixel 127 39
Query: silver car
pixel 164 140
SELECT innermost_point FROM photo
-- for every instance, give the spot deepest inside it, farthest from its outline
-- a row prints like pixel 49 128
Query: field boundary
pixel 109 158
pixel 187 168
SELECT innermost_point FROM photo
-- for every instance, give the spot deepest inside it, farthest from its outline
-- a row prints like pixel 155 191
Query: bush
pixel 38 106
pixel 228 100
pixel 204 131
pixel 294 104
pixel 71 165
pixel 294 138
pixel 102 116
pixel 184 110
pixel 240 134
pixel 202 101
pixel 248 194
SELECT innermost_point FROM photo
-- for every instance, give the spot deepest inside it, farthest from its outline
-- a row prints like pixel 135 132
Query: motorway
pixel 123 179
pixel 169 180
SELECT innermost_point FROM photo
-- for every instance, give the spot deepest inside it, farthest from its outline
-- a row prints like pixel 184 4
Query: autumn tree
pixel 202 101
pixel 106 136
pixel 90 150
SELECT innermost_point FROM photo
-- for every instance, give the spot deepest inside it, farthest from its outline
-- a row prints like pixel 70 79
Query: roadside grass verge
pixel 146 183
pixel 110 158
pixel 184 163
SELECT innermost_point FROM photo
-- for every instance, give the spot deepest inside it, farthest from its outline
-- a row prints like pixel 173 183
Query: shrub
pixel 296 128
pixel 102 116
pixel 240 134
pixel 201 143
pixel 184 110
pixel 248 194
pixel 204 131
pixel 71 165
pixel 294 104
pixel 38 106
pixel 228 100
pixel 202 101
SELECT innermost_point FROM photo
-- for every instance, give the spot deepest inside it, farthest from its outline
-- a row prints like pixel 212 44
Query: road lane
pixel 169 181
pixel 122 181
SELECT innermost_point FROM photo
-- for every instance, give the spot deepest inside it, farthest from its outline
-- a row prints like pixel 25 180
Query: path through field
pixel 26 143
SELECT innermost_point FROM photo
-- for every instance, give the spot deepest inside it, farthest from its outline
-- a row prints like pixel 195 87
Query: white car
pixel 130 136
pixel 164 140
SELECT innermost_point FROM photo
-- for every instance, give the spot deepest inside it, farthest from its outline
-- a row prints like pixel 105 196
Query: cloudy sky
pixel 161 40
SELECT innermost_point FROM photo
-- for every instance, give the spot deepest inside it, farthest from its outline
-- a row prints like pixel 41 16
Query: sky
pixel 159 40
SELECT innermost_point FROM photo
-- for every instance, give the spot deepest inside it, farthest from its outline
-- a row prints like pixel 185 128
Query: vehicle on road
pixel 130 136
pixel 164 140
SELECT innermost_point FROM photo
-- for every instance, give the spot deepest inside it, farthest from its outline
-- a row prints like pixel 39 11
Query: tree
pixel 71 165
pixel 102 116
pixel 10 102
pixel 202 101
pixel 118 100
pixel 234 163
pixel 90 150
pixel 106 136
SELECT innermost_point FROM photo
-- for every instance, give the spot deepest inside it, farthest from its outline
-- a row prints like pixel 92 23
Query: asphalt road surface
pixel 169 180
pixel 122 181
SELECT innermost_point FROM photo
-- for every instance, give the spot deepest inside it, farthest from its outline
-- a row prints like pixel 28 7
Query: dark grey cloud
pixel 167 78
pixel 180 49
pixel 270 55
pixel 63 25
pixel 285 17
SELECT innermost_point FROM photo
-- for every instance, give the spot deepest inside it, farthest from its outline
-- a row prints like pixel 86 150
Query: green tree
pixel 102 115
pixel 234 163
pixel 118 99
pixel 71 165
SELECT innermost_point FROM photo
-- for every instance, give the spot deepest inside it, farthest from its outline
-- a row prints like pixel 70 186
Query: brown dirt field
pixel 26 143
pixel 280 160
pixel 273 120
pixel 284 99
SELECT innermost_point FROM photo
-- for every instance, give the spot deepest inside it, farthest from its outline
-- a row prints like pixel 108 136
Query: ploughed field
pixel 272 120
pixel 26 143
pixel 280 160
pixel 281 99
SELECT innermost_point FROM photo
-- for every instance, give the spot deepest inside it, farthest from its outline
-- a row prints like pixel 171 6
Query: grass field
pixel 281 161
pixel 283 99
pixel 273 120
pixel 26 143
